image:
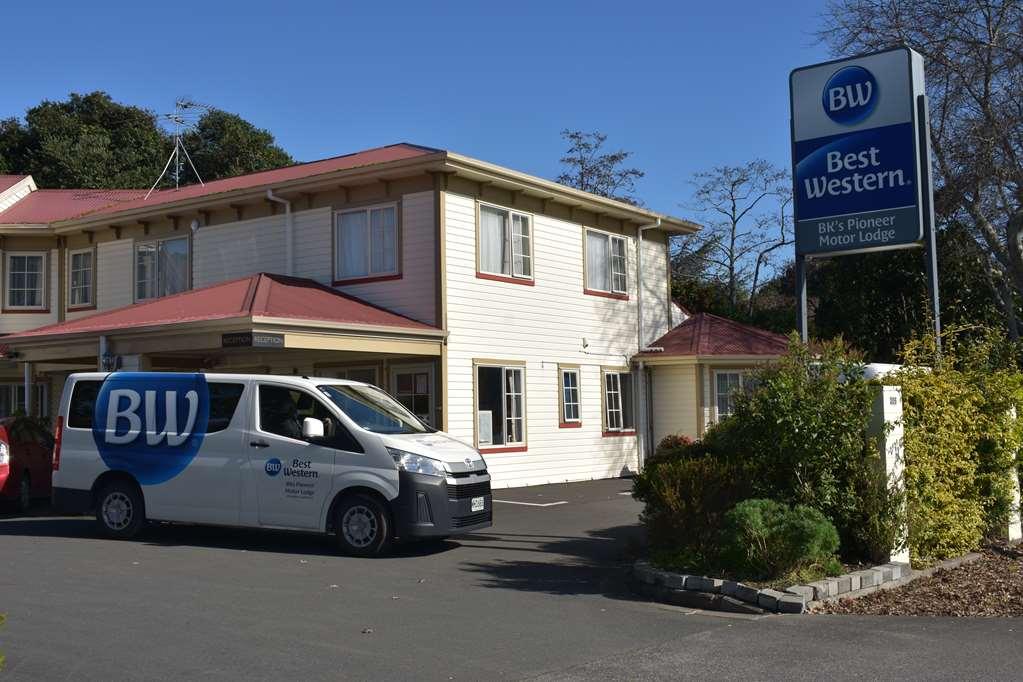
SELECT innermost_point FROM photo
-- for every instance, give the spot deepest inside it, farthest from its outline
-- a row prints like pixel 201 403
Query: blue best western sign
pixel 855 154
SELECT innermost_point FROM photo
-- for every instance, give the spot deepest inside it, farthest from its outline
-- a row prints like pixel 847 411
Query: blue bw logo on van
pixel 850 95
pixel 150 424
pixel 273 467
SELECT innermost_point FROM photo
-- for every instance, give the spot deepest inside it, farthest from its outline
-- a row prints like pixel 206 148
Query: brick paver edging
pixel 715 594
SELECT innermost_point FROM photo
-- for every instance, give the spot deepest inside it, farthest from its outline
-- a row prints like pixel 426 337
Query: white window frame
pixel 156 265
pixel 91 252
pixel 370 274
pixel 743 378
pixel 518 259
pixel 43 277
pixel 564 403
pixel 614 376
pixel 505 395
pixel 612 260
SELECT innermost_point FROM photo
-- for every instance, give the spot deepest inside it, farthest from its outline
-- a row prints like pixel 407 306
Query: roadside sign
pixel 856 154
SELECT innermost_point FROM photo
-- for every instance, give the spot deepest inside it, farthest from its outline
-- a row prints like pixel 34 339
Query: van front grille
pixel 464 492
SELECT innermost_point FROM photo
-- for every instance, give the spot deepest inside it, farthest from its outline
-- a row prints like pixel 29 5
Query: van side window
pixel 83 403
pixel 223 402
pixel 282 410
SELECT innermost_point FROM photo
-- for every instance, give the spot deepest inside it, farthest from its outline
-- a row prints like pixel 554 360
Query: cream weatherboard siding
pixel 542 325
pixel 114 274
pixel 674 409
pixel 239 249
pixel 11 322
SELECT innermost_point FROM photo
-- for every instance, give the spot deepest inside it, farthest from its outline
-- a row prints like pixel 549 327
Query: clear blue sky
pixel 683 85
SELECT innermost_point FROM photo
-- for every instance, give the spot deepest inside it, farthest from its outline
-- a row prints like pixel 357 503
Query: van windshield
pixel 374 410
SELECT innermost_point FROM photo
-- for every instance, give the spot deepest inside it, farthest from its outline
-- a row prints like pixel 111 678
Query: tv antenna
pixel 181 119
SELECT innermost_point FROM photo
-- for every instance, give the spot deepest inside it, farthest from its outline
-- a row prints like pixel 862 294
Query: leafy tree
pixel 589 168
pixel 974 58
pixel 85 141
pixel 92 141
pixel 223 144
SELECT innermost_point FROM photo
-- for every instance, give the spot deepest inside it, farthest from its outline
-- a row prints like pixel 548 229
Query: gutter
pixel 289 233
pixel 645 432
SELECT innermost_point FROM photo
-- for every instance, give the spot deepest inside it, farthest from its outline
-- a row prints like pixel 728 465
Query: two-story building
pixel 501 307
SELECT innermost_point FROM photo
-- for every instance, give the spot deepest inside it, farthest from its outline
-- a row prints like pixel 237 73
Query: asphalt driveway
pixel 539 595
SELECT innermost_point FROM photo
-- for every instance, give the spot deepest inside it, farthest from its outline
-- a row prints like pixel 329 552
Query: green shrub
pixel 804 432
pixel 768 539
pixel 686 500
pixel 960 440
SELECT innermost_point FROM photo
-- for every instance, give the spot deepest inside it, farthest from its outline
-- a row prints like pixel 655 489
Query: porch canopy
pixel 239 322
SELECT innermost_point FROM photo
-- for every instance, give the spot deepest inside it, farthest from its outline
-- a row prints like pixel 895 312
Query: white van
pixel 296 453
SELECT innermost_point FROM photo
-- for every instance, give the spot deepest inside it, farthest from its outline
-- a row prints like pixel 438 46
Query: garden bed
pixel 992 585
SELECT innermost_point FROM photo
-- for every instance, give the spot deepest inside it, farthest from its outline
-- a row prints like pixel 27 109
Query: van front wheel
pixel 363 526
pixel 120 510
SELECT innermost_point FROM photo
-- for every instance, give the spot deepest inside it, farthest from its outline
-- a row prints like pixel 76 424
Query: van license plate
pixel 477 504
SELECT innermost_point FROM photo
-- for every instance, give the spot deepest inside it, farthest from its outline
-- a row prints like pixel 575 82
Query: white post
pixel 28 388
pixel 887 422
pixel 1015 529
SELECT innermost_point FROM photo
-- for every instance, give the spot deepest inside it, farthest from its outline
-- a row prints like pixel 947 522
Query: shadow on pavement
pixel 595 563
pixel 216 537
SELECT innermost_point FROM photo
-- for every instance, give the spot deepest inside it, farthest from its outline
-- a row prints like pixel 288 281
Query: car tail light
pixel 58 435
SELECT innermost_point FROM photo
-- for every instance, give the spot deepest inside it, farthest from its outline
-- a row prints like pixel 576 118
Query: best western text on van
pixel 288 452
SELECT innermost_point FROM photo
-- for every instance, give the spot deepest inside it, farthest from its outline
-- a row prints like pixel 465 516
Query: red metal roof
pixel 705 334
pixel 8 181
pixel 369 157
pixel 260 295
pixel 48 205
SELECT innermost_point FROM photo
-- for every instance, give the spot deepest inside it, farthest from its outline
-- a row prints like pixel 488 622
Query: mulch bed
pixel 990 586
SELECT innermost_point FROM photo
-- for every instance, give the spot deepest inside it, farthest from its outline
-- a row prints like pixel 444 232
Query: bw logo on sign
pixel 850 95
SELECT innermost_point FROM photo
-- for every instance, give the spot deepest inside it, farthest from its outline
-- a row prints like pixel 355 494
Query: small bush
pixel 768 539
pixel 686 500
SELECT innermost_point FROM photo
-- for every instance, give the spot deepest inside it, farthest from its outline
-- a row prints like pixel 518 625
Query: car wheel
pixel 25 493
pixel 363 526
pixel 120 510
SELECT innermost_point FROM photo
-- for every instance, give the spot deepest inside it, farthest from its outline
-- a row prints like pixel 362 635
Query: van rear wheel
pixel 120 510
pixel 363 526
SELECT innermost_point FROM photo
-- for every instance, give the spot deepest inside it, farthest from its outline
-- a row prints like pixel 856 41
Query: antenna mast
pixel 181 119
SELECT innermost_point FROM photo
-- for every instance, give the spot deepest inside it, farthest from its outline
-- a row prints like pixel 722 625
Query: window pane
pixel 726 384
pixel 570 395
pixel 598 276
pixel 520 246
pixel 619 281
pixel 223 402
pixel 628 419
pixel 173 266
pixel 494 250
pixel 353 244
pixel 145 271
pixel 513 405
pixel 613 401
pixel 83 403
pixel 383 240
pixel 490 405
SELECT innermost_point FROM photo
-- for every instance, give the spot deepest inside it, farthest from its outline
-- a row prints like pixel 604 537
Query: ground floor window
pixel 728 384
pixel 618 402
pixel 569 379
pixel 500 405
pixel 12 399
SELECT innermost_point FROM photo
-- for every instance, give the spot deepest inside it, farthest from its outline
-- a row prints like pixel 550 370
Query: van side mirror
pixel 312 428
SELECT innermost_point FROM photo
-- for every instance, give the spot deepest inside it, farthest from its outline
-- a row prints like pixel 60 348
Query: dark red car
pixel 26 469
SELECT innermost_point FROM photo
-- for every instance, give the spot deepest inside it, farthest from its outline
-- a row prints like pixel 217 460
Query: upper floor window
pixel 161 268
pixel 505 243
pixel 606 263
pixel 26 275
pixel 80 279
pixel 366 242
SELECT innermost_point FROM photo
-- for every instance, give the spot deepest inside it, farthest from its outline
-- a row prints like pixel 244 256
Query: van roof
pixel 213 376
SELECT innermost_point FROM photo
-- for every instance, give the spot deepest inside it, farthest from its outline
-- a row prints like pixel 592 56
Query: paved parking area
pixel 537 596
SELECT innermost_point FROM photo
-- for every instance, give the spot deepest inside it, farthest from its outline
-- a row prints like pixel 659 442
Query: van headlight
pixel 417 464
pixel 5 454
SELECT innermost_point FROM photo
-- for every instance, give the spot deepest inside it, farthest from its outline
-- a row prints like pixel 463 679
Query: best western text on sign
pixel 855 154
